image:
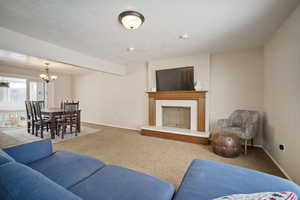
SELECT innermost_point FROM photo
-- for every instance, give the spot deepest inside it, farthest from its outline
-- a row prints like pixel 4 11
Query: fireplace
pixel 178 109
pixel 176 116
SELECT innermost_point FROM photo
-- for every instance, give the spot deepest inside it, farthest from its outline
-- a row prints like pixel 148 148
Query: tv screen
pixel 178 79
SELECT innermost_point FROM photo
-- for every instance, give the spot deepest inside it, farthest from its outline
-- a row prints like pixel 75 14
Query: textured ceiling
pixel 91 27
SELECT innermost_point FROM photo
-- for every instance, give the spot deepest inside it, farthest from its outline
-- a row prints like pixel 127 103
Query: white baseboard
pixel 112 125
pixel 277 164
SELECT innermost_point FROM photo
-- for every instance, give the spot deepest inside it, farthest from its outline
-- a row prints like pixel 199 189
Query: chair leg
pixel 42 131
pixel 36 130
pixel 28 127
pixel 63 131
pixel 252 143
pixel 32 129
pixel 246 147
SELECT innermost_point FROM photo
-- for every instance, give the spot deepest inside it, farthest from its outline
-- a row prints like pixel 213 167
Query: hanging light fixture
pixel 131 19
pixel 47 77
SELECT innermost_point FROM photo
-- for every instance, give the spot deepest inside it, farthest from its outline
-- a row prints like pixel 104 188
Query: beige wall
pixel 113 100
pixel 236 83
pixel 282 95
pixel 201 66
pixel 199 62
pixel 59 90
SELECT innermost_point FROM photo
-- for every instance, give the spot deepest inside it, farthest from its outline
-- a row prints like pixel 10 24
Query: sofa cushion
pixel 67 168
pixel 30 152
pixel 4 157
pixel 208 180
pixel 115 183
pixel 19 182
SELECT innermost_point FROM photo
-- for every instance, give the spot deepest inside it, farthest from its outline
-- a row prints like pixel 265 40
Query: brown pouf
pixel 226 144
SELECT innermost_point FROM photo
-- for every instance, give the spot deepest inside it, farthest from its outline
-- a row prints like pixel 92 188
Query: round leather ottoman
pixel 226 144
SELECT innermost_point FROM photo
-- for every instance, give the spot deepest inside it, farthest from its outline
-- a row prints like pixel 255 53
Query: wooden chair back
pixel 37 110
pixel 42 104
pixel 28 110
pixel 71 110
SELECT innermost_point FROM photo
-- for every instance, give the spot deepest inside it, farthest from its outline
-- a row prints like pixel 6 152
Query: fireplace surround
pixel 195 100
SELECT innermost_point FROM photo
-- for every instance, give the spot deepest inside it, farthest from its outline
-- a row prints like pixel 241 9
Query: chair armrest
pixel 30 152
pixel 223 123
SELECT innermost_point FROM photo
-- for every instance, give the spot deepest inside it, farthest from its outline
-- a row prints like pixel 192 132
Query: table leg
pixel 52 126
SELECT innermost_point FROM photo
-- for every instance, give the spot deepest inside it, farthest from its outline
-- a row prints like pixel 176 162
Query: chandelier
pixel 47 77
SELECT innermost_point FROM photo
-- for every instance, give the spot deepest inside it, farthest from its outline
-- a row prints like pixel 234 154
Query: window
pixel 12 104
pixel 13 97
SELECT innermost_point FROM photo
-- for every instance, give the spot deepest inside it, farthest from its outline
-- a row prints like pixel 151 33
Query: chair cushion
pixel 5 158
pixel 67 168
pixel 115 183
pixel 208 180
pixel 19 182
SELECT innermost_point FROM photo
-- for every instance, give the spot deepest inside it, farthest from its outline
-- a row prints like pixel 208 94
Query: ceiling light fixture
pixel 47 77
pixel 130 49
pixel 131 19
pixel 184 36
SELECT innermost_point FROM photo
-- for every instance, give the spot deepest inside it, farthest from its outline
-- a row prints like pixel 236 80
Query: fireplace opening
pixel 175 116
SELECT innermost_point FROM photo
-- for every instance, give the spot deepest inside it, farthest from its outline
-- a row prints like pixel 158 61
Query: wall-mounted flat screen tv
pixel 177 79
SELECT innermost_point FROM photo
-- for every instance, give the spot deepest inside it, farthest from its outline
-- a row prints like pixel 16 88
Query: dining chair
pixel 41 123
pixel 42 104
pixel 30 118
pixel 69 118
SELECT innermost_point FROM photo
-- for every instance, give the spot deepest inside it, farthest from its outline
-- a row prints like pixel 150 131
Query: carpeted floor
pixel 166 159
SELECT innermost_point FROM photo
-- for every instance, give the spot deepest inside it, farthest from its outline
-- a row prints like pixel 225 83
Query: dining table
pixel 53 113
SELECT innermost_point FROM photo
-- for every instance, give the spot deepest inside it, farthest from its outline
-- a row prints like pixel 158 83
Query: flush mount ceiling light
pixel 131 19
pixel 130 49
pixel 184 36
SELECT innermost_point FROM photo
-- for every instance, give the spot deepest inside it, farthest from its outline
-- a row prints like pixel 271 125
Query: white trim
pixel 112 125
pixel 274 161
pixel 277 164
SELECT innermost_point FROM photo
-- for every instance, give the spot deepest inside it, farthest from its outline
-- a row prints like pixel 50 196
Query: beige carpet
pixel 166 159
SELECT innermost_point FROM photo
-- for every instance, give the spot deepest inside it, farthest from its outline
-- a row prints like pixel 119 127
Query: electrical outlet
pixel 281 147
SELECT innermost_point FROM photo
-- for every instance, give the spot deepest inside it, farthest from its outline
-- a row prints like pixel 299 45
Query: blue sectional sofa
pixel 33 171
pixel 209 179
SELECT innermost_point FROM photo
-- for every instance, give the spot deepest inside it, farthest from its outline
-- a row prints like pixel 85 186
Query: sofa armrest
pixel 27 153
pixel 223 123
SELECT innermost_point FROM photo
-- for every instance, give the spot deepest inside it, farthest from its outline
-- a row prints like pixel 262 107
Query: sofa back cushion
pixel 30 152
pixel 5 158
pixel 19 182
